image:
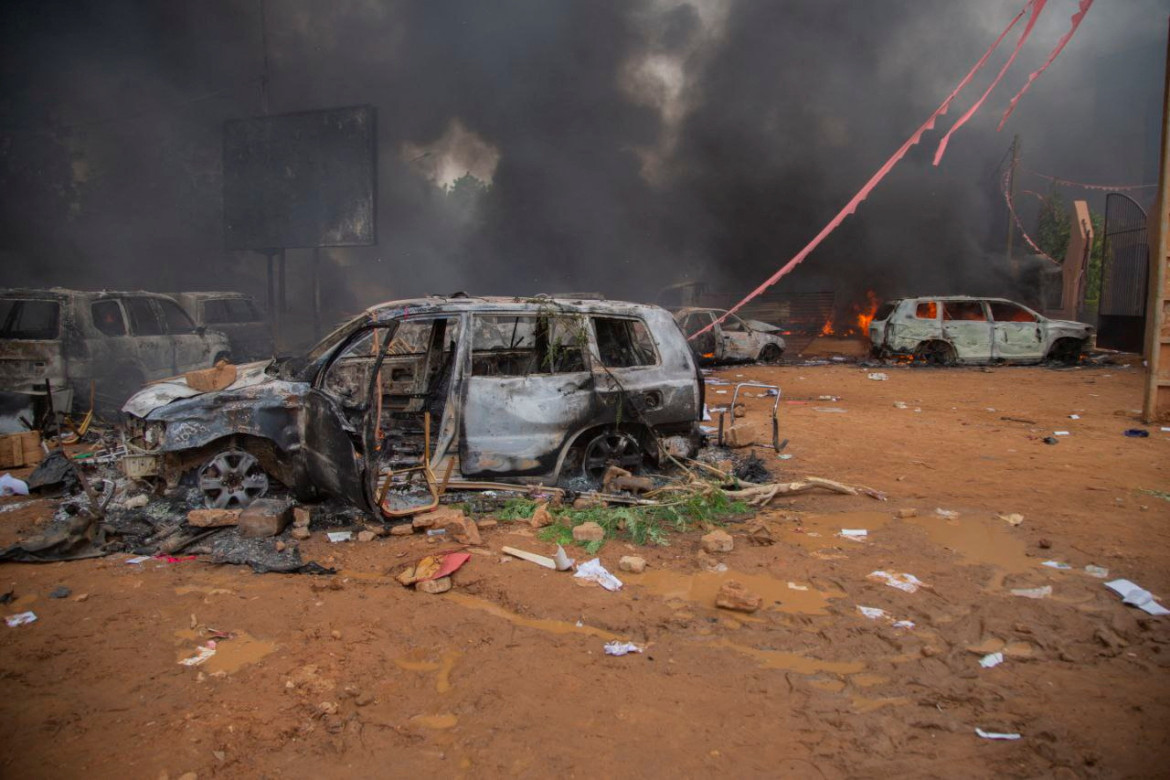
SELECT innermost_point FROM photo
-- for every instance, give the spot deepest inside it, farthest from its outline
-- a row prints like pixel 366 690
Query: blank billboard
pixel 300 180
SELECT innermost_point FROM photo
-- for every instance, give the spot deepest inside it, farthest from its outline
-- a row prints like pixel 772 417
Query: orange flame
pixel 827 328
pixel 865 315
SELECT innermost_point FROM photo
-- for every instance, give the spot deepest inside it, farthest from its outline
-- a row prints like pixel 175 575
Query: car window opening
pixel 927 311
pixel 964 311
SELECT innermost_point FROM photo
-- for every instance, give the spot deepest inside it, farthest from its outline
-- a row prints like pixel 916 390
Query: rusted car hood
pixel 161 393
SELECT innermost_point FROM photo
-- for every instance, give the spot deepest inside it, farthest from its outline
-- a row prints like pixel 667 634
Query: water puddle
pixel 444 720
pixel 792 662
pixel 820 531
pixel 540 624
pixel 978 540
pixel 414 662
pixel 701 588
pixel 230 656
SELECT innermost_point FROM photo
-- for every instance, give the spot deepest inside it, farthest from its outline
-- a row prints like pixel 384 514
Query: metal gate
pixel 1125 259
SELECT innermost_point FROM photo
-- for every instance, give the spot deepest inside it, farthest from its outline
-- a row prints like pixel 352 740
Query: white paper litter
pixel 339 536
pixel 995 734
pixel 1056 565
pixel 1074 417
pixel 1100 572
pixel 20 619
pixel 854 532
pixel 831 409
pixel 706 414
pixel 990 660
pixel 873 613
pixel 904 624
pixel 785 456
pixel 878 377
pixel 947 513
pixel 201 655
pixel 794 586
pixel 1061 433
pixel 1137 597
pixel 1013 519
pixel 905 582
pixel 621 648
pixel 901 405
pixel 11 486
pixel 593 571
pixel 721 392
pixel 1033 593
pixel 138 559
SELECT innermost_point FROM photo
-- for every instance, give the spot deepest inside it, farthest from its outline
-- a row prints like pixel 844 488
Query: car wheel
pixel 232 479
pixel 1066 351
pixel 771 354
pixel 935 353
pixel 224 356
pixel 612 448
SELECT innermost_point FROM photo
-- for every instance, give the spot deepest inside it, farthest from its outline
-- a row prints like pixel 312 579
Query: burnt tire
pixel 935 353
pixel 1066 352
pixel 771 354
pixel 232 479
pixel 612 448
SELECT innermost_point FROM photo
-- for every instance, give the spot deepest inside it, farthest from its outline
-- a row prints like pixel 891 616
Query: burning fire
pixel 860 315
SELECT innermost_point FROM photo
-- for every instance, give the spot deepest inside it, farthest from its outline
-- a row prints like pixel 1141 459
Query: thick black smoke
pixel 762 121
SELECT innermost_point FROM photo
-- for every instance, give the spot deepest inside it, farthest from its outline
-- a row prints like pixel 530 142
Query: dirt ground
pixel 354 675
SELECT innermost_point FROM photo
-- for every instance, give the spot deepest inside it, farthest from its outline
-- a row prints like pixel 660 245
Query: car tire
pixel 771 354
pixel 225 356
pixel 935 353
pixel 1066 352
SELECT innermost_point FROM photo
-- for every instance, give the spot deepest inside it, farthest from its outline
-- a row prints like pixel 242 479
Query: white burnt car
pixel 731 341
pixel 530 390
pixel 961 329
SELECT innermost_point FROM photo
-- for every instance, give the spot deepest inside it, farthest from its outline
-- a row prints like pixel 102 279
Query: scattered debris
pixel 878 377
pixel 1033 593
pixel 1012 519
pixel 1061 433
pixel 991 660
pixel 1100 572
pixel 20 619
pixel 1136 597
pixel 339 536
pixel 1137 433
pixel 621 648
pixel 60 592
pixel 830 409
pixel 561 559
pixel 873 613
pixel 524 555
pixel 137 559
pixel 1057 565
pixel 11 486
pixel 433 567
pixel 904 582
pixel 435 586
pixel 856 534
pixel 947 513
pixel 1050 440
pixel 202 653
pixel 593 571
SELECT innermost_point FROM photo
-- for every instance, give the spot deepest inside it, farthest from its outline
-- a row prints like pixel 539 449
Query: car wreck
pixel 413 396
pixel 732 340
pixel 962 329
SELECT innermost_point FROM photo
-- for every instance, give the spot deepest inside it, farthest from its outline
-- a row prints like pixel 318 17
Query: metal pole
pixel 1012 196
pixel 1156 406
pixel 316 293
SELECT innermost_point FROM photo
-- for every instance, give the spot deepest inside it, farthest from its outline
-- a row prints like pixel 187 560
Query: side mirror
pixel 200 330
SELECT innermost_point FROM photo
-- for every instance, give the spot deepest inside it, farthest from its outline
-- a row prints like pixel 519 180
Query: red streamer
pixel 1035 6
pixel 1077 18
pixel 1007 198
pixel 1082 185
pixel 856 200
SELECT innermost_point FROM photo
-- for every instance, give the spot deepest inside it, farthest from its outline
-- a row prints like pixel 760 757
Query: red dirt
pixel 354 675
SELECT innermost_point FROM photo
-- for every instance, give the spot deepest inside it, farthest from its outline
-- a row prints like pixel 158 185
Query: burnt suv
pixel 441 389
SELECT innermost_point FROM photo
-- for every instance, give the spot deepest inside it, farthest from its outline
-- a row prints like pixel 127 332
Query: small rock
pixel 1019 651
pixel 718 541
pixel 300 533
pixel 1044 544
pixel 137 502
pixel 487 524
pixel 462 529
pixel 335 634
pixel 213 518
pixel 541 517
pixel 929 651
pixel 734 596
pixel 612 473
pixel 632 563
pixel 402 529
pixel 280 546
pixel 366 536
pixel 436 518
pixel 588 532
pixel 637 485
pixel 376 530
pixel 364 699
pixel 907 512
pixel 434 587
pixel 328 708
pixel 81 597
pixel 264 517
pixel 707 563
pixel 587 502
pixel 301 516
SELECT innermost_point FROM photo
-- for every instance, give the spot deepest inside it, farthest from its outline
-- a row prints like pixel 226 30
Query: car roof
pixel 957 298
pixel 694 309
pixel 62 293
pixel 452 304
pixel 203 295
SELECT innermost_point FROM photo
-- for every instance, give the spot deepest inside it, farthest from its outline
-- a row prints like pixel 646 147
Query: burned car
pixel 961 329
pixel 418 393
pixel 731 341
pixel 70 338
pixel 235 315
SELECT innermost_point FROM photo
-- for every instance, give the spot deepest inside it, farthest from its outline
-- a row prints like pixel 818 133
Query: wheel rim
pixel 770 354
pixel 612 449
pixel 232 479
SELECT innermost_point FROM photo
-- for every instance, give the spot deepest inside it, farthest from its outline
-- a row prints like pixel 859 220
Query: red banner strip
pixel 1035 6
pixel 1007 198
pixel 853 203
pixel 1082 185
pixel 1077 18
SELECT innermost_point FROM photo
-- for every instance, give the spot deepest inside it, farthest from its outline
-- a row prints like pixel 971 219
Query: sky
pixel 623 145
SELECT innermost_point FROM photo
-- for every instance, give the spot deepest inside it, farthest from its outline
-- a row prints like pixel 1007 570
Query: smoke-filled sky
pixel 627 145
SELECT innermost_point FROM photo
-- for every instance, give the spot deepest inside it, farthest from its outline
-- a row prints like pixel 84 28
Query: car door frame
pixel 138 341
pixel 968 330
pixel 1031 332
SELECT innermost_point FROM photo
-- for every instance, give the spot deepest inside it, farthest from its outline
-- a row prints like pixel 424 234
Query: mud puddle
pixel 815 531
pixel 414 662
pixel 701 588
pixel 978 541
pixel 230 656
pixel 540 624
pixel 791 662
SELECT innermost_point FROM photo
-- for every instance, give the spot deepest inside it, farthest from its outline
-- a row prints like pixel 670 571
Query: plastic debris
pixel 794 586
pixel 138 559
pixel 339 536
pixel 856 534
pixel 621 648
pixel 1061 433
pixel 60 592
pixel 1050 440
pixel 904 624
pixel 1033 593
pixel 593 571
pixel 20 619
pixel 901 405
pixel 562 560
pixel 1136 597
pixel 830 409
pixel 1012 519
pixel 1074 417
pixel 873 613
pixel 201 654
pixel 1137 433
pixel 1100 572
pixel 878 377
pixel 904 582
pixel 11 486
pixel 995 734
pixel 947 513
pixel 991 660
pixel 1056 565
pixel 436 531
pixel 785 456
